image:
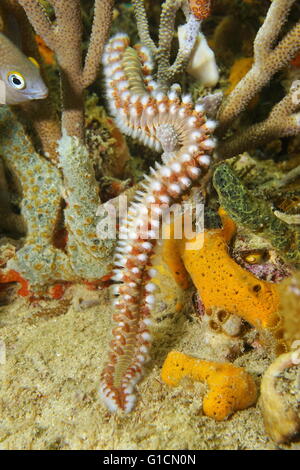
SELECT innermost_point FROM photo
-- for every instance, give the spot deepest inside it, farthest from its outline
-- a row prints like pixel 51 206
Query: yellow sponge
pixel 231 388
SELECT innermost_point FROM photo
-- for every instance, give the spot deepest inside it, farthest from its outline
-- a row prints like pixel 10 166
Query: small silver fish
pixel 20 78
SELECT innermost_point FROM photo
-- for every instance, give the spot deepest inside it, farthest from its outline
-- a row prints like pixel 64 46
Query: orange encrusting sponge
pixel 222 282
pixel 230 387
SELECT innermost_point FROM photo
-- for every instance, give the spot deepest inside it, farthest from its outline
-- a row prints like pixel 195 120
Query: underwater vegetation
pixel 64 158
pixel 62 170
pixel 255 214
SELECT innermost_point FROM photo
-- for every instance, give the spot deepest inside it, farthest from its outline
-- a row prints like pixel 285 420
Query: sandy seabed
pixel 48 384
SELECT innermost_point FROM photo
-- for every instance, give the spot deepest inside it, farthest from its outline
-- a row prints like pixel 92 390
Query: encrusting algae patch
pixel 230 387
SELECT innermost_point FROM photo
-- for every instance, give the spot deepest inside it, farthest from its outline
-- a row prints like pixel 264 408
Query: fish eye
pixel 16 80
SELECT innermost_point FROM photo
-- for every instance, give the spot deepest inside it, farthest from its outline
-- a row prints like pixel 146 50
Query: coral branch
pixel 267 61
pixel 142 25
pixel 65 40
pixel 68 32
pixel 166 32
pixel 100 29
pixel 44 119
pixel 192 28
pixel 282 121
pixel 40 21
pixel 161 53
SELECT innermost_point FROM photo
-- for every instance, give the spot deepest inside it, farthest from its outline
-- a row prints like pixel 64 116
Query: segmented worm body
pixel 180 129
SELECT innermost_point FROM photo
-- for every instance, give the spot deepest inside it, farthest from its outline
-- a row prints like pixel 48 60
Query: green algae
pixel 255 213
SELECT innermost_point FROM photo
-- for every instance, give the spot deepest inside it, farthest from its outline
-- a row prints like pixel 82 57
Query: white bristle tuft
pixel 152 272
pixel 176 167
pixel 199 108
pixel 150 287
pixel 175 188
pixel 196 135
pixel 208 144
pixel 165 172
pixel 210 125
pixel 194 172
pixel 160 96
pixel 164 199
pixel 193 149
pixel 172 96
pixel 187 99
pixel 185 158
pixel 204 160
pixel 150 299
pixel 185 181
pixel 156 185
